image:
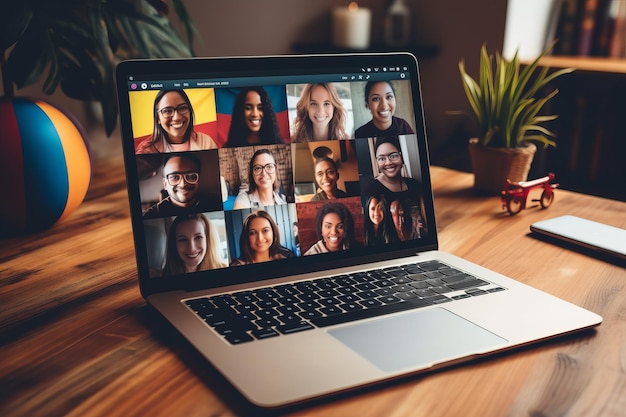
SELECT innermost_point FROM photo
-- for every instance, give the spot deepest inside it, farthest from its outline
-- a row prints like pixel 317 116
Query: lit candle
pixel 351 27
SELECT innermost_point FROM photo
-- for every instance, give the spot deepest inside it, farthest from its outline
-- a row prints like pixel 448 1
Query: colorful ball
pixel 44 164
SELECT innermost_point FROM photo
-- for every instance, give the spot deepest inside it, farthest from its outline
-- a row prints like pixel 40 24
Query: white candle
pixel 351 27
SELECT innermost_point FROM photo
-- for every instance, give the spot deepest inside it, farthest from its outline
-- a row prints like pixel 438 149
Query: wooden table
pixel 77 339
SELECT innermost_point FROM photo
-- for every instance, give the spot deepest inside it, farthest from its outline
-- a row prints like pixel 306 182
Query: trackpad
pixel 417 339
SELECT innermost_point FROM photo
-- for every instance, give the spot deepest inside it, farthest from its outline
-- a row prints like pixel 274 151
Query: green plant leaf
pixel 185 18
pixel 14 20
pixel 79 42
pixel 30 56
pixel 507 99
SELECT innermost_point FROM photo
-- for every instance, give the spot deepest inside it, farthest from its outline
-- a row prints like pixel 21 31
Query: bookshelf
pixel 590 156
pixel 591 133
pixel 585 63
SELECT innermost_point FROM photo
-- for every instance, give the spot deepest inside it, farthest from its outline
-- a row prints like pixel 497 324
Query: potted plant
pixel 74 45
pixel 507 100
pixel 79 42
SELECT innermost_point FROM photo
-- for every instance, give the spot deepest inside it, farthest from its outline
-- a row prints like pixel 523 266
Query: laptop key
pixel 234 326
pixel 223 301
pixel 370 303
pixel 417 277
pixel 264 333
pixel 366 286
pixel 348 298
pixel 289 318
pixel 267 313
pixel 467 284
pixel 267 303
pixel 309 296
pixel 310 314
pixel 389 299
pixel 367 294
pixel 294 327
pixel 370 312
pixel 270 322
pixel 309 305
pixel 476 291
pixel 438 299
pixel 267 294
pixel 328 293
pixel 287 290
pixel 406 295
pixel 288 309
pixel 245 297
pixel 348 289
pixel 236 338
pixel 329 302
pixel 331 310
pixel 351 307
pixel 441 290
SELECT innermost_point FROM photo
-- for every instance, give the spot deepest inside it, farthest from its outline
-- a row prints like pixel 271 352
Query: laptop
pixel 284 223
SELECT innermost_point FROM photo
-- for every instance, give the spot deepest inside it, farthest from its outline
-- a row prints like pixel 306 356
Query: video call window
pixel 330 225
pixel 252 115
pixel 174 183
pixel 382 108
pixel 238 166
pixel 325 170
pixel 306 193
pixel 162 118
pixel 320 111
pixel 187 243
pixel 261 234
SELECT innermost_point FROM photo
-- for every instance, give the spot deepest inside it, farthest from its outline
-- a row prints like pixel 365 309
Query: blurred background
pixel 442 33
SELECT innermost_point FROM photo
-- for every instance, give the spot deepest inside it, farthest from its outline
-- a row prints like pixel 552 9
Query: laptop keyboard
pixel 284 309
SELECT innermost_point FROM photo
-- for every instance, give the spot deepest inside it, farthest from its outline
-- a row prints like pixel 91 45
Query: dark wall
pixel 457 27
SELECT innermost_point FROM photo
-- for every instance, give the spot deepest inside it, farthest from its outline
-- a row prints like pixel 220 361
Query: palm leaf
pixel 77 43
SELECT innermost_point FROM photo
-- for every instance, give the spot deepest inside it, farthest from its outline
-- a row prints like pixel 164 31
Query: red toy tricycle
pixel 515 195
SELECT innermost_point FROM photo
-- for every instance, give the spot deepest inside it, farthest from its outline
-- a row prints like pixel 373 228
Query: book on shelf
pixel 617 43
pixel 603 29
pixel 588 22
pixel 591 28
pixel 567 27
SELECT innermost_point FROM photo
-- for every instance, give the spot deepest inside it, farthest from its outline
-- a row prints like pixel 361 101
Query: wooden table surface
pixel 77 339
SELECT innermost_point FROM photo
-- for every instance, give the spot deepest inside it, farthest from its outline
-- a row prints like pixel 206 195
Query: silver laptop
pixel 283 220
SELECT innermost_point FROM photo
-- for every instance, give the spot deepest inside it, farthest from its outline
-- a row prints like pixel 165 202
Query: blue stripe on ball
pixel 46 178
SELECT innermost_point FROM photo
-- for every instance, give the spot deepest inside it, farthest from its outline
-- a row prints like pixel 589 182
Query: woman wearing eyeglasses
pixel 173 126
pixel 389 182
pixel 263 188
pixel 326 176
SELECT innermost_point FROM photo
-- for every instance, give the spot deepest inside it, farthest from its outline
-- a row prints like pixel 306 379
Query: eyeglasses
pixel 329 173
pixel 174 178
pixel 269 168
pixel 169 111
pixel 393 157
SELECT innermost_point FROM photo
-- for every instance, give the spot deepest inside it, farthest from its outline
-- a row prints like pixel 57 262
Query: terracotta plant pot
pixel 493 166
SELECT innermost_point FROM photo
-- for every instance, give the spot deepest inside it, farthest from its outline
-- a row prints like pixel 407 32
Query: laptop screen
pixel 242 169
